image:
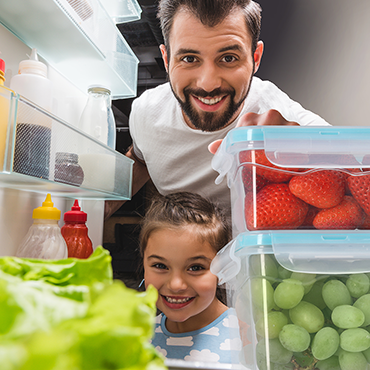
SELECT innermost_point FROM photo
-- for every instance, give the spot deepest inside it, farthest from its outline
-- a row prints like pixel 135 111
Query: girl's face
pixel 177 263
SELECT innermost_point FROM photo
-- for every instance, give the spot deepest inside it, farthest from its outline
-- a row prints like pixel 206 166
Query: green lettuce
pixel 71 315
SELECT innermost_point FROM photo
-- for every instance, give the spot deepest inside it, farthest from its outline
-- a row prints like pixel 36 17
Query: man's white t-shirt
pixel 177 156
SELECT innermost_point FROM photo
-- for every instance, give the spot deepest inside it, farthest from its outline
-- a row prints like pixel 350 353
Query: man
pixel 211 53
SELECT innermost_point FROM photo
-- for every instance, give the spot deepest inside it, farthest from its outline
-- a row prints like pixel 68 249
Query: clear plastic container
pixel 303 301
pixel 296 178
pixel 44 239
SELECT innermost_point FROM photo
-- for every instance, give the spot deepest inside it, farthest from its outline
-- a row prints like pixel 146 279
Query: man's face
pixel 210 68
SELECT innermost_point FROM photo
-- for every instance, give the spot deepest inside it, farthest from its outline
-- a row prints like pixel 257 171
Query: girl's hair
pixel 210 13
pixel 182 210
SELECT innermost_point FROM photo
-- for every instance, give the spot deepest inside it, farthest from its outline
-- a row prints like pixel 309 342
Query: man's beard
pixel 210 121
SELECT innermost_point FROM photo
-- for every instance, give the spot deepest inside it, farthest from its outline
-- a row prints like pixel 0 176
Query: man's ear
pixel 164 56
pixel 258 55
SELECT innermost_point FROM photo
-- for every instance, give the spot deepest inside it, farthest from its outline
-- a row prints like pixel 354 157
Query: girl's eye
pixel 160 266
pixel 189 59
pixel 229 58
pixel 196 268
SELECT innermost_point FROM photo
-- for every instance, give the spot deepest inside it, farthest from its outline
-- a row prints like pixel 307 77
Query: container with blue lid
pixel 323 167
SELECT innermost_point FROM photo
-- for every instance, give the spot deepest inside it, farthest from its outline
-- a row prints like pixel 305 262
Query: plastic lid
pixel 33 65
pixel 75 214
pixel 47 211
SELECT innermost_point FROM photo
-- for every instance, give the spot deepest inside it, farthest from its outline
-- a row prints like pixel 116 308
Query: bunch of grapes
pixel 308 321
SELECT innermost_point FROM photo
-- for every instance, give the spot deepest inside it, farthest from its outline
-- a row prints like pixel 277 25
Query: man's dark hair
pixel 210 13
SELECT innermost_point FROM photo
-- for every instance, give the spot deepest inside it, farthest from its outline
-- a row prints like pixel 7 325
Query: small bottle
pixel 97 119
pixel 33 134
pixel 4 115
pixel 67 170
pixel 75 233
pixel 44 239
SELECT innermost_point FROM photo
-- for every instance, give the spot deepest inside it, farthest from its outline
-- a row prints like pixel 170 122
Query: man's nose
pixel 209 78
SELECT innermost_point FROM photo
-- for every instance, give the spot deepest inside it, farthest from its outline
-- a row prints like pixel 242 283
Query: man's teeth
pixel 175 300
pixel 210 101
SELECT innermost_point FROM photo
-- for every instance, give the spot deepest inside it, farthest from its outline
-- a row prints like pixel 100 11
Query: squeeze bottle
pixel 44 239
pixel 75 233
pixel 33 134
pixel 4 116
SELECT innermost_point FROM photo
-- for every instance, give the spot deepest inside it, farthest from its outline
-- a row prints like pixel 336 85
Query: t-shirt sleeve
pixel 134 123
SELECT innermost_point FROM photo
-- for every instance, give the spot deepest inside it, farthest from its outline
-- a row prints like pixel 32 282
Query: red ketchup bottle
pixel 74 232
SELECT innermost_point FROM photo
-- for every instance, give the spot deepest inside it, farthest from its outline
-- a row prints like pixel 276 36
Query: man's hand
pixel 269 118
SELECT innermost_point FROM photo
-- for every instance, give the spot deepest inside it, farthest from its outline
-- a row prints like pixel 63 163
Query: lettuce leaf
pixel 71 315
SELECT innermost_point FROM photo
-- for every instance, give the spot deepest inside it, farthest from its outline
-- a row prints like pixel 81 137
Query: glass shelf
pixel 78 38
pixel 122 11
pixel 30 142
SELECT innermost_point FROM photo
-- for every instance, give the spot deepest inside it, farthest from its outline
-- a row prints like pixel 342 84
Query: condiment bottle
pixel 75 233
pixel 97 119
pixel 4 115
pixel 33 134
pixel 44 239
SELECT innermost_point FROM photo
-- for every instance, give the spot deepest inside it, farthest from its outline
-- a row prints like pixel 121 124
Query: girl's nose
pixel 177 283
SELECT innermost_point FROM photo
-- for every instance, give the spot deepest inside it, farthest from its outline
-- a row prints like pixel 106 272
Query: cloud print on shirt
pixel 161 350
pixel 212 331
pixel 181 341
pixel 158 329
pixel 204 355
pixel 235 344
pixel 158 319
pixel 230 322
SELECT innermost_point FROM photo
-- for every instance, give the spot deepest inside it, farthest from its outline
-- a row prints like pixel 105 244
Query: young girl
pixel 180 235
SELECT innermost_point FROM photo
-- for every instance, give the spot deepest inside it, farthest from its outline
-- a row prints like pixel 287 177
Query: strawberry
pixel 311 213
pixel 321 189
pixel 275 207
pixel 360 189
pixel 346 215
pixel 252 180
pixel 273 173
pixel 366 224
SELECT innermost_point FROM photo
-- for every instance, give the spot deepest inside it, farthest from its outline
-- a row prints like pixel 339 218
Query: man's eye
pixel 229 58
pixel 189 59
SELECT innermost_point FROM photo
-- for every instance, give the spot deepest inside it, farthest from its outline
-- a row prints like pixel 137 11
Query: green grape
pixel 262 294
pixel 294 338
pixel 314 296
pixel 366 353
pixel 308 280
pixel 335 293
pixel 352 361
pixel 303 359
pixel 263 265
pixel 347 317
pixel 308 316
pixel 288 293
pixel 325 343
pixel 283 273
pixel 363 303
pixel 288 366
pixel 358 285
pixel 355 340
pixel 264 364
pixel 331 363
pixel 274 351
pixel 275 321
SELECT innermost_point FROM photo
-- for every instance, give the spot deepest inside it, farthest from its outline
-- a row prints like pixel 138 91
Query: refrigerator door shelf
pixel 41 153
pixel 78 38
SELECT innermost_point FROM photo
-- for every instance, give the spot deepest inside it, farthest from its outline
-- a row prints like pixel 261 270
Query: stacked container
pixel 297 271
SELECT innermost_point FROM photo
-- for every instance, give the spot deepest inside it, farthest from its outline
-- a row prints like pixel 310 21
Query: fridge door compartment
pixel 77 38
pixel 123 11
pixel 42 153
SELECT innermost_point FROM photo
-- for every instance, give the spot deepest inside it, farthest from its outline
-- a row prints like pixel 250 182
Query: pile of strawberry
pixel 278 198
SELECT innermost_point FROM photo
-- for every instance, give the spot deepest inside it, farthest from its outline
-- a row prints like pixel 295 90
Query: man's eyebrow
pixel 186 51
pixel 229 48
